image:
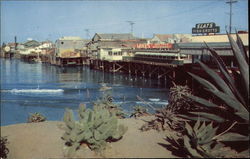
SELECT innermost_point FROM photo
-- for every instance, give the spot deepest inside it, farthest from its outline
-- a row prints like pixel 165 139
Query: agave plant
pixel 232 91
pixel 234 94
pixel 202 141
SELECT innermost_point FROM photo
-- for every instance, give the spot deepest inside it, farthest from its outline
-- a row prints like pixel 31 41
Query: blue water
pixel 38 87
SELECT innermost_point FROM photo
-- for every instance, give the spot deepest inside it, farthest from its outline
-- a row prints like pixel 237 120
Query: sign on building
pixel 205 28
pixel 154 46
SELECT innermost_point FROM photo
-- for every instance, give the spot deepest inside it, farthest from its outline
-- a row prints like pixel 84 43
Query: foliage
pixel 167 117
pixel 36 117
pixel 231 89
pixel 107 102
pixel 139 111
pixel 3 148
pixel 231 107
pixel 201 141
pixel 95 128
pixel 177 99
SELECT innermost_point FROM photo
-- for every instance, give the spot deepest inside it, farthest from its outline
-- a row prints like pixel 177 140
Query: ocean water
pixel 37 87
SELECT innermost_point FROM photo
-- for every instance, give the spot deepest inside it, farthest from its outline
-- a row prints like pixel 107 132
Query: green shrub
pixel 95 128
pixel 36 117
pixel 107 102
pixel 139 111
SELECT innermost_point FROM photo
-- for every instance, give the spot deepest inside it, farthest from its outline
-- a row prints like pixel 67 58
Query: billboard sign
pixel 205 28
pixel 154 46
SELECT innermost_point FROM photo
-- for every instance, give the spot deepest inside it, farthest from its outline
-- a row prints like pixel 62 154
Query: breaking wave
pixel 39 91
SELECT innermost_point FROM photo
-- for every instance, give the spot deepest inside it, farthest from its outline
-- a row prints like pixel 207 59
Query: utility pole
pixel 131 23
pixel 230 2
pixel 87 33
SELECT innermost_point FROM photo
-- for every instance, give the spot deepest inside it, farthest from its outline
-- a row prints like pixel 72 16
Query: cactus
pixel 95 127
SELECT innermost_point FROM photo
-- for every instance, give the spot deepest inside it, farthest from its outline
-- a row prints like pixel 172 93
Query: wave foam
pixel 36 90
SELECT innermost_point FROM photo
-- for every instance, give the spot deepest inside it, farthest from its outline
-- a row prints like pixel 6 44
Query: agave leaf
pixel 235 104
pixel 220 82
pixel 188 146
pixel 208 134
pixel 209 116
pixel 243 115
pixel 245 153
pixel 244 67
pixel 201 101
pixel 232 137
pixel 204 82
pixel 221 151
pixel 193 118
pixel 241 47
pixel 197 125
pixel 189 129
pixel 228 78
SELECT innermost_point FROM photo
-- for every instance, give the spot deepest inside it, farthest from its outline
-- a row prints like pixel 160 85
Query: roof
pixel 223 48
pixel 112 36
pixel 70 38
pixel 158 54
pixel 220 38
pixel 32 43
pixel 163 37
pixel 203 45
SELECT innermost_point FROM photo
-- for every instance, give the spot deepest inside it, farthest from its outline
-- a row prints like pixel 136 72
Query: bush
pixel 36 117
pixel 139 111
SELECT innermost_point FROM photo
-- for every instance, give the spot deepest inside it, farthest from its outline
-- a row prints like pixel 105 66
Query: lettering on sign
pixel 205 28
pixel 154 46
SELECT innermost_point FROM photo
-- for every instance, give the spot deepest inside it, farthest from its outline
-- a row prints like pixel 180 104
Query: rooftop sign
pixel 205 28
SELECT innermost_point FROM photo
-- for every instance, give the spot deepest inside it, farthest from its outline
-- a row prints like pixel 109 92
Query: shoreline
pixel 43 140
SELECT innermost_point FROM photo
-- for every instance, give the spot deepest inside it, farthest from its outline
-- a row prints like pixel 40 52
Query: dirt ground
pixel 43 140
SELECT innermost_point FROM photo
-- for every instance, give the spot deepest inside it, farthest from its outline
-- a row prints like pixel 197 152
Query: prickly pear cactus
pixel 95 127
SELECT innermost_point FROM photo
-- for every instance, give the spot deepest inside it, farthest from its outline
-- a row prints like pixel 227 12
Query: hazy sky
pixel 41 20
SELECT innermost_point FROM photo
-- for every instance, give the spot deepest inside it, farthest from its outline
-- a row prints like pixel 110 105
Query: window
pixel 62 42
pixel 110 53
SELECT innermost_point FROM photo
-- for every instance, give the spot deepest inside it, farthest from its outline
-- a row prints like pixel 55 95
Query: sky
pixel 49 20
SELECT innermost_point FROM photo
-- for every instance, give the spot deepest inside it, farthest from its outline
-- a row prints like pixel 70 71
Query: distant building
pixel 110 54
pixel 67 47
pixel 29 47
pixel 197 49
pixel 108 45
pixel 113 37
pixel 170 38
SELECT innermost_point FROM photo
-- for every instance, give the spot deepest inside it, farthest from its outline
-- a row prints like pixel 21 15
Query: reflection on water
pixel 36 87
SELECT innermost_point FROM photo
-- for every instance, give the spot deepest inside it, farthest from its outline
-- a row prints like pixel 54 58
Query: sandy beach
pixel 43 140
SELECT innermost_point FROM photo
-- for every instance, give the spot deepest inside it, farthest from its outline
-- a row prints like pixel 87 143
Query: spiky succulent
pixel 230 108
